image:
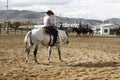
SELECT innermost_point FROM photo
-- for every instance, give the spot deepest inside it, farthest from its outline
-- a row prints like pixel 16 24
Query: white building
pixel 28 27
pixel 105 28
pixel 31 26
pixel 70 25
pixel 38 26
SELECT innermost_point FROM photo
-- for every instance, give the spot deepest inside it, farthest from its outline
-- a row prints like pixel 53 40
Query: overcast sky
pixel 90 9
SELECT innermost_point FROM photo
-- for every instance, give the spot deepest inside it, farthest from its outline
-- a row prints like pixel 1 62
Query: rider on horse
pixel 50 26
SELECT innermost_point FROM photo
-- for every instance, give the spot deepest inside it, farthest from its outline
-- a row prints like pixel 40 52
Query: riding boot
pixel 55 39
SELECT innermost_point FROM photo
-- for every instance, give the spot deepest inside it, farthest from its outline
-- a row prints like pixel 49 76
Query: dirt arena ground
pixel 85 58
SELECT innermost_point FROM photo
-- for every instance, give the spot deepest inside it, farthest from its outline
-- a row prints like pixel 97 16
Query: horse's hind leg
pixel 35 54
pixel 28 52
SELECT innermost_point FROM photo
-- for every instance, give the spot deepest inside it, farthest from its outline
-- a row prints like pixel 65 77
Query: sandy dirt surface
pixel 85 58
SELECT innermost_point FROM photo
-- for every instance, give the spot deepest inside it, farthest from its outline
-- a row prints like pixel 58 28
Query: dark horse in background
pixel 83 31
pixel 117 32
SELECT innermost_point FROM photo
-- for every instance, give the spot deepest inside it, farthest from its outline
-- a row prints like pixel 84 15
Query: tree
pixel 16 25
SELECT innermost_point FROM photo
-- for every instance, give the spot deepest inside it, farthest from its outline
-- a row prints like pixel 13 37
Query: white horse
pixel 38 37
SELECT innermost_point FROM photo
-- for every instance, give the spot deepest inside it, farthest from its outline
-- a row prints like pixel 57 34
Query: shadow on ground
pixel 91 64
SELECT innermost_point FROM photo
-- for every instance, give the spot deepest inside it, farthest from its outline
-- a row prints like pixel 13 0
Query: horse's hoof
pixel 61 60
pixel 48 62
pixel 37 62
pixel 26 61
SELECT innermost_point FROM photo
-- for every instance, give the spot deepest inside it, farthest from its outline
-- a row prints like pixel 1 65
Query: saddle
pixel 48 31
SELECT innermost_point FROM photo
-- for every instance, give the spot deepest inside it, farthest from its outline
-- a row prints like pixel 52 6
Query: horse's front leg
pixel 35 54
pixel 49 53
pixel 59 52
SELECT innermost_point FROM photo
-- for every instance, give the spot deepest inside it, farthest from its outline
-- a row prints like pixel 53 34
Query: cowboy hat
pixel 49 12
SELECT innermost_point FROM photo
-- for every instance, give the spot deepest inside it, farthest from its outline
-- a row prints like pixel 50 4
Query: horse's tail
pixel 28 38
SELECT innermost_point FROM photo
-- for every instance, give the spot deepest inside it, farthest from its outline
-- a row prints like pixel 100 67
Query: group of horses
pixel 80 31
pixel 83 32
pixel 117 32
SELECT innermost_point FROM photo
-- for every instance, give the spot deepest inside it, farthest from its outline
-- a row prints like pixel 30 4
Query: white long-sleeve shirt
pixel 47 21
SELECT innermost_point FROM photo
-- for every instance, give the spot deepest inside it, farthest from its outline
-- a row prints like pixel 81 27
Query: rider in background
pixel 61 26
pixel 49 24
pixel 80 27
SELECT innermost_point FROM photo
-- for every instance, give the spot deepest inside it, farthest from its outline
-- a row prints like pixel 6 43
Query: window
pixel 105 30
